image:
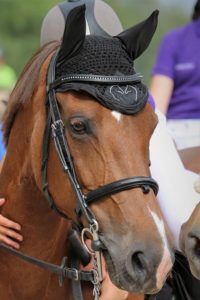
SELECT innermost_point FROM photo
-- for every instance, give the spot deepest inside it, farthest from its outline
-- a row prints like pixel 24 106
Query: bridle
pixel 54 125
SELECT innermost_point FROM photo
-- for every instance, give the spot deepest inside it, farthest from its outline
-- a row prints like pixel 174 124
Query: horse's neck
pixel 25 203
pixel 44 232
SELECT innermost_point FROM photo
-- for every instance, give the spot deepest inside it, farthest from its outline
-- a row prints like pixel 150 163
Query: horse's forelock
pixel 25 87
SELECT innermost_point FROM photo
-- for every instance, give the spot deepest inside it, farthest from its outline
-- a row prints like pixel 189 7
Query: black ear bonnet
pixel 103 66
pixel 105 57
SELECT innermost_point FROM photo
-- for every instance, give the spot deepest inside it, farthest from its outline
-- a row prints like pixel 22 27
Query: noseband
pixel 54 125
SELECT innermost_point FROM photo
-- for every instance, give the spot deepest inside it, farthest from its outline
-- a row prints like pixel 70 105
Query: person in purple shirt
pixel 175 83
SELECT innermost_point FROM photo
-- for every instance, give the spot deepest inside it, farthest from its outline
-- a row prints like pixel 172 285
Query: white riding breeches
pixel 177 197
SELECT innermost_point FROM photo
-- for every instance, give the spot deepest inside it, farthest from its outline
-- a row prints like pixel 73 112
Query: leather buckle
pixel 57 127
pixel 76 274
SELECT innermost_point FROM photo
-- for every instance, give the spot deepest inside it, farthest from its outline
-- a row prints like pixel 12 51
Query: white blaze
pixel 166 262
pixel 116 115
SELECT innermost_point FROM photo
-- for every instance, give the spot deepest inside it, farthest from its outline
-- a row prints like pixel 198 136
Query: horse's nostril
pixel 139 263
pixel 192 252
pixel 197 248
pixel 194 242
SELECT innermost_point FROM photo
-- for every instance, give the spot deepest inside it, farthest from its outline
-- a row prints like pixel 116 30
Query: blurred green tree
pixel 20 23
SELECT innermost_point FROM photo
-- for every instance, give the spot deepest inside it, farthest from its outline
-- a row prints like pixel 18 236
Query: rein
pixel 55 126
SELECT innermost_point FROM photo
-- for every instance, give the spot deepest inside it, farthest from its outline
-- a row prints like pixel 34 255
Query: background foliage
pixel 20 22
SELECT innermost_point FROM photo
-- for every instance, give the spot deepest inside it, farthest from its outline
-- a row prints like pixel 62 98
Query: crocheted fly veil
pixel 103 66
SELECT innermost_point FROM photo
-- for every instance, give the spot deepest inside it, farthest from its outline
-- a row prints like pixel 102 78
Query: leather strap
pixel 62 271
pixel 145 183
pixel 45 154
pixel 76 284
pixel 61 143
pixel 95 79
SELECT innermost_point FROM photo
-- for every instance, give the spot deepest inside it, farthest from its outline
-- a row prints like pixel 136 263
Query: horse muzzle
pixel 141 270
pixel 190 245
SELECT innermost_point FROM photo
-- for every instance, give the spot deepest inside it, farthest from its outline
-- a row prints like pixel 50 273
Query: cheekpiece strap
pixel 61 144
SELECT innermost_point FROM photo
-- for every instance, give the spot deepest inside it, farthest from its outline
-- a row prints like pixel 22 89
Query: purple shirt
pixel 179 59
pixel 151 101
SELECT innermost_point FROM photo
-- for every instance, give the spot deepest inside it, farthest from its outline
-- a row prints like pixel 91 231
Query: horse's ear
pixel 74 33
pixel 137 38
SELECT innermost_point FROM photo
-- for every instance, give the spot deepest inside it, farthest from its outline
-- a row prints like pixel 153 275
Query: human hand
pixel 9 234
pixel 108 290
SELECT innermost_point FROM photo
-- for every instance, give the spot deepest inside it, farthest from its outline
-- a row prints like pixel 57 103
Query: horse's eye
pixel 78 126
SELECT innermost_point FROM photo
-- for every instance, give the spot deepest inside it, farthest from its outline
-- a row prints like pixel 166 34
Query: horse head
pixel 190 230
pixel 101 110
pixel 190 241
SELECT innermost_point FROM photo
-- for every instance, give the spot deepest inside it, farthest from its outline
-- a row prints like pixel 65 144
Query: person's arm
pixel 163 73
pixel 9 231
pixel 161 89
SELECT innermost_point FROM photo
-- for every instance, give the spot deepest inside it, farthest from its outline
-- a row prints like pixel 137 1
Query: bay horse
pixel 93 170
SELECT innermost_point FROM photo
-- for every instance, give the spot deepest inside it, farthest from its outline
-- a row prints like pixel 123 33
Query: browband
pixel 96 79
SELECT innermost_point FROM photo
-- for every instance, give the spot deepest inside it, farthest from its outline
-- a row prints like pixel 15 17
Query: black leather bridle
pixel 54 125
pixel 54 120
